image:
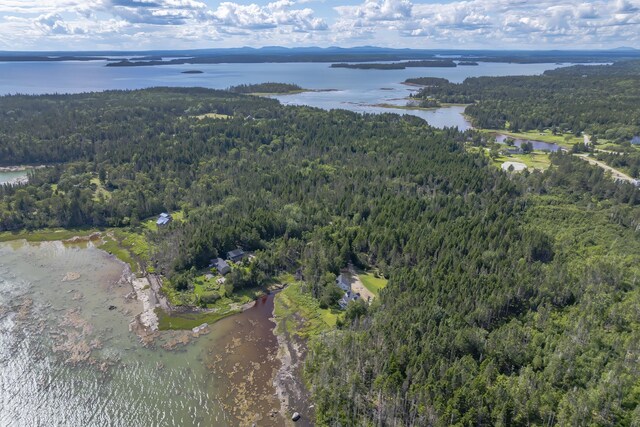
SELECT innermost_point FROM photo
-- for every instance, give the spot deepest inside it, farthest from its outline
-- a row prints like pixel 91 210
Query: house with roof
pixel 343 283
pixel 347 298
pixel 221 265
pixel 235 255
pixel 635 140
pixel 163 219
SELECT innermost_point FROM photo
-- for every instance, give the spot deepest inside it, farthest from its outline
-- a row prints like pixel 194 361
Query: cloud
pixel 26 24
pixel 273 15
pixel 54 24
pixel 498 23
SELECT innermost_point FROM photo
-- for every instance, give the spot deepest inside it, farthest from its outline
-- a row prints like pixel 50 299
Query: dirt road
pixel 617 175
pixel 356 284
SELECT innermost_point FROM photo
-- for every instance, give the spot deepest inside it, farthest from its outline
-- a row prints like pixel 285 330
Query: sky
pixel 27 25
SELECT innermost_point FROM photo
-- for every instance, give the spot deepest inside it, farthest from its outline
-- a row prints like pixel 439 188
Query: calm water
pixel 12 176
pixel 537 145
pixel 67 359
pixel 357 90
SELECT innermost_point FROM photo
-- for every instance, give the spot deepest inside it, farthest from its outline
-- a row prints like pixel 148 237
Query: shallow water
pixel 12 176
pixel 67 359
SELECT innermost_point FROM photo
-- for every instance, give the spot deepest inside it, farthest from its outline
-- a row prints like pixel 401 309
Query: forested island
pixel 266 88
pixel 397 65
pixel 511 298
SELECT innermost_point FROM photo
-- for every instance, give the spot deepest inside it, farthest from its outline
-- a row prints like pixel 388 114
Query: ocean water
pixel 352 89
pixel 66 358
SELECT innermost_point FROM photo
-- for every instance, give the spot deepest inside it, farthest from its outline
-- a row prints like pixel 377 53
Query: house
pixel 343 283
pixel 163 219
pixel 235 255
pixel 347 298
pixel 222 266
pixel 635 140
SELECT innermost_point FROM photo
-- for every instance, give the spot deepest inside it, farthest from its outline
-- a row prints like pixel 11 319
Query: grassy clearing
pixel 299 313
pixel 213 116
pixel 182 321
pixel 150 223
pixel 535 160
pixel 372 283
pixel 45 235
pixel 100 190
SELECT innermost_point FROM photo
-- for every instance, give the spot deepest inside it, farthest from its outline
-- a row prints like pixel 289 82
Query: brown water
pixel 66 358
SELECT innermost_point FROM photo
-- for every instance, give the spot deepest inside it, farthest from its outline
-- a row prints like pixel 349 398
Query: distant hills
pixel 319 54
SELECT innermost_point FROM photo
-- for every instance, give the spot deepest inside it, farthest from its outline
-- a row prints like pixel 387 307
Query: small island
pixel 430 63
pixel 426 81
pixel 192 72
pixel 268 88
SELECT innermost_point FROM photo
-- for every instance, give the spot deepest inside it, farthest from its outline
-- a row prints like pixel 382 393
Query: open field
pixel 534 160
pixel 372 283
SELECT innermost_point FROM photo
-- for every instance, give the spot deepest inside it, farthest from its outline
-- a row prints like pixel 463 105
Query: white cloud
pixel 272 15
pixel 26 24
pixel 500 23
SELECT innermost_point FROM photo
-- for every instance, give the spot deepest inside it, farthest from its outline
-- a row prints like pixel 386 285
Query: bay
pixel 351 89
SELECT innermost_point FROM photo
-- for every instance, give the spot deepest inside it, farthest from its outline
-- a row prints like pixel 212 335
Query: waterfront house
pixel 235 255
pixel 222 266
pixel 163 219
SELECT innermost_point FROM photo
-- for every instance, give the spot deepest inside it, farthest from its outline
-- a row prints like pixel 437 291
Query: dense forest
pixel 512 298
pixel 601 100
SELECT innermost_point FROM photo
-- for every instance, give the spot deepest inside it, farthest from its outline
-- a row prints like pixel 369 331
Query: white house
pixel 343 283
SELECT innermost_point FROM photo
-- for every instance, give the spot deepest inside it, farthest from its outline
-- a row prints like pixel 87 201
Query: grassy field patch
pixel 372 283
pixel 299 313
pixel 45 235
pixel 181 321
pixel 213 116
pixel 535 160
pixel 100 190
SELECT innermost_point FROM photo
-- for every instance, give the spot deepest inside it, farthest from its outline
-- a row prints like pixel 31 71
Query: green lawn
pixel 535 160
pixel 150 223
pixel 372 283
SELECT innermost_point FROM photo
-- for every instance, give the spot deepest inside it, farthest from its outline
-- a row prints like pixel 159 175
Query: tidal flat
pixel 71 354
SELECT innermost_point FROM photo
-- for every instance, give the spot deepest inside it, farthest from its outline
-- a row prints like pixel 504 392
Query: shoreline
pixel 290 389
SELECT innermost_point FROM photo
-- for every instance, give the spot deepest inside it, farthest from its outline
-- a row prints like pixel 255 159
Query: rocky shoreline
pixel 290 389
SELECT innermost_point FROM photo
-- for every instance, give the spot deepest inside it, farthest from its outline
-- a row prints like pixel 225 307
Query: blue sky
pixel 190 24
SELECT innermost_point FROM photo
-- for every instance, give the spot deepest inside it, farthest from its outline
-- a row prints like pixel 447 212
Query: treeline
pixel 436 63
pixel 268 87
pixel 511 299
pixel 601 100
